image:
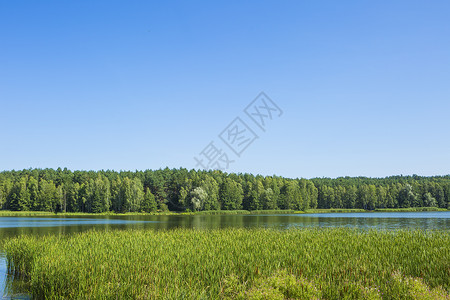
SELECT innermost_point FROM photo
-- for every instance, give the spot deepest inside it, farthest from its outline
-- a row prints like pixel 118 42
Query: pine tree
pixel 149 203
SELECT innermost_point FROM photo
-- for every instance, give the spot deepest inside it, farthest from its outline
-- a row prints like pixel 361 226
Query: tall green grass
pixel 410 209
pixel 6 213
pixel 334 263
pixel 333 210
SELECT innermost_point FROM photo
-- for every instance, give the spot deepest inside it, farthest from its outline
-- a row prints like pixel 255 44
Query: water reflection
pixel 2 271
pixel 10 288
pixel 14 226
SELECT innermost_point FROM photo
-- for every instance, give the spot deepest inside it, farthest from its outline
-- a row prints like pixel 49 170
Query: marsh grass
pixel 410 209
pixel 333 210
pixel 7 213
pixel 208 264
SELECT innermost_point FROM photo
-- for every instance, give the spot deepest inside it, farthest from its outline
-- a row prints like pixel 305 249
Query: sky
pixel 362 87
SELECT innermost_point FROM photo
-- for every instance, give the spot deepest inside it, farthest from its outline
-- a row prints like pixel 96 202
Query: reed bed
pixel 332 263
pixel 333 210
pixel 7 213
pixel 411 209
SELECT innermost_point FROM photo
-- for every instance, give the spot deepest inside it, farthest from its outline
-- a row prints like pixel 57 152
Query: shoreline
pixel 5 213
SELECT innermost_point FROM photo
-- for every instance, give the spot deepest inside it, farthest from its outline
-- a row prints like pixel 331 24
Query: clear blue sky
pixel 364 85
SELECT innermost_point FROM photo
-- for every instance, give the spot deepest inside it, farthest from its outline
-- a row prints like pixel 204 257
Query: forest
pixel 63 190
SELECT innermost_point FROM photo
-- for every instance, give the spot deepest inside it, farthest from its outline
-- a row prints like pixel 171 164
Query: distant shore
pixel 6 213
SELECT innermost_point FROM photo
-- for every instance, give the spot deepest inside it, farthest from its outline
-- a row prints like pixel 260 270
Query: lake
pixel 57 225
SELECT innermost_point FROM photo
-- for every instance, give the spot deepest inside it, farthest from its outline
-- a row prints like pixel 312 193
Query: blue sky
pixel 364 85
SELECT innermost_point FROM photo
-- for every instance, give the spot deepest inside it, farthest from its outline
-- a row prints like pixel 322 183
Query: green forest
pixel 63 190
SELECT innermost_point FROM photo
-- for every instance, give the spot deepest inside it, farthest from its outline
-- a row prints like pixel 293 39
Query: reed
pixel 6 213
pixel 333 210
pixel 231 263
pixel 410 209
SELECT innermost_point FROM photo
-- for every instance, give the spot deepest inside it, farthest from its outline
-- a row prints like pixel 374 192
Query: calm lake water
pixel 14 226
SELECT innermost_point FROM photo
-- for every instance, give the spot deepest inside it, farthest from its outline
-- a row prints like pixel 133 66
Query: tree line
pixel 63 190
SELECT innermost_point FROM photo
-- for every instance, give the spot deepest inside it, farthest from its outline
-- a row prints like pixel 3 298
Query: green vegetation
pixel 190 191
pixel 354 210
pixel 410 209
pixel 338 263
pixel 334 210
pixel 8 213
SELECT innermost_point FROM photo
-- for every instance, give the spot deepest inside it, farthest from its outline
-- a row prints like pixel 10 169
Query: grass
pixel 410 209
pixel 338 263
pixel 6 213
pixel 334 210
pixel 243 212
pixel 353 210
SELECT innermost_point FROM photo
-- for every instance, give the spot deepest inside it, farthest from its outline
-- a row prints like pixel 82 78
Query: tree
pixel 363 196
pixel 231 194
pixel 183 199
pixel 117 195
pixel 198 198
pixel 211 187
pixel 326 197
pixel 391 196
pixel 73 198
pixel 350 197
pixel 60 199
pixel 19 196
pixel 310 195
pixel 339 195
pixel 268 200
pixel 128 197
pixel 157 183
pixel 406 196
pixel 445 203
pixel 381 197
pixel 440 196
pixel 371 197
pixel 90 191
pixel 33 191
pixel 131 195
pixel 98 200
pixel 276 192
pixel 5 190
pixel 253 197
pixel 429 200
pixel 48 196
pixel 292 196
pixel 313 194
pixel 149 203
